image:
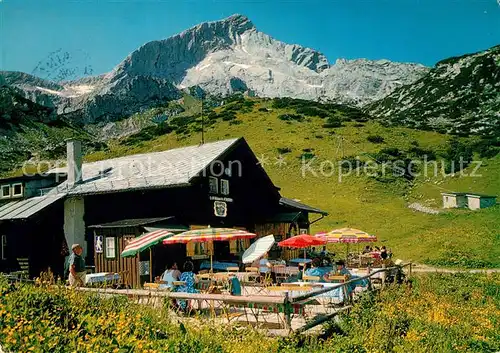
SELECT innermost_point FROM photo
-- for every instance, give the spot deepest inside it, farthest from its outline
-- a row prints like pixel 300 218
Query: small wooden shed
pixel 110 239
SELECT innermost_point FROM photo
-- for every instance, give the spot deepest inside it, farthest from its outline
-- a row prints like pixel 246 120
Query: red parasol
pixel 302 241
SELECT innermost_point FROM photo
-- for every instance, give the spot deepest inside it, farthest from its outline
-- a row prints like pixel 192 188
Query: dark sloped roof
pixel 300 206
pixel 131 222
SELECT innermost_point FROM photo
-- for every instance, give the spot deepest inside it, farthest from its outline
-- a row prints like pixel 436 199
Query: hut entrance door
pixel 128 265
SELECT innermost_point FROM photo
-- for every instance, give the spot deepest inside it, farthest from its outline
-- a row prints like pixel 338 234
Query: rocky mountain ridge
pixel 221 57
pixel 461 95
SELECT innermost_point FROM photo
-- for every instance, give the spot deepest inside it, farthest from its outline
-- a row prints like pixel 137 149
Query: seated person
pixel 316 271
pixel 383 253
pixel 324 252
pixel 170 275
pixel 264 265
pixel 367 249
pixel 341 270
pixel 235 285
pixel 190 279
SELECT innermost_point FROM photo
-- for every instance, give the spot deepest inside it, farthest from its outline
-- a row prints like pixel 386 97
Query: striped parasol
pixel 209 234
pixel 144 242
pixel 347 235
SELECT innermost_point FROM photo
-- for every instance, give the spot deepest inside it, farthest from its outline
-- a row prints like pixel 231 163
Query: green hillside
pixel 377 204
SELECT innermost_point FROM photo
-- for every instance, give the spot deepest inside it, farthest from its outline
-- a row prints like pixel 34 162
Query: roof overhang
pixel 284 217
pixel 301 206
pixel 135 222
pixel 23 209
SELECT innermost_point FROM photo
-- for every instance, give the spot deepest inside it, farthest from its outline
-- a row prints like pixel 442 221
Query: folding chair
pixel 233 269
pixel 281 273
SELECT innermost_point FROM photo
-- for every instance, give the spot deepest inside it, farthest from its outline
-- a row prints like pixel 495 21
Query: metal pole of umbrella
pixel 211 249
pixel 150 265
pixel 138 269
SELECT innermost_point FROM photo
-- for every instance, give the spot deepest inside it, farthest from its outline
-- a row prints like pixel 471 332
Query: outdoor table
pixel 289 270
pixel 245 276
pixel 176 284
pixel 101 277
pixel 335 294
pixel 217 266
pixel 299 260
pixel 363 272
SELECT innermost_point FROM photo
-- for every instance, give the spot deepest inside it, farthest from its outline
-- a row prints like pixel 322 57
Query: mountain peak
pixel 238 19
pixel 231 26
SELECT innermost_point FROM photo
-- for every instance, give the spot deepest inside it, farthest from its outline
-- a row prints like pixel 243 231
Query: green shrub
pixel 391 151
pixel 291 117
pixel 487 147
pixel 375 139
pixel 458 155
pixel 311 111
pixel 332 122
pixel 421 153
pixel 307 156
pixel 284 150
pixel 228 115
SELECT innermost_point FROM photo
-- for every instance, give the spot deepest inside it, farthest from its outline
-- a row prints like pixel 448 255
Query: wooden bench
pixel 307 278
pixel 338 278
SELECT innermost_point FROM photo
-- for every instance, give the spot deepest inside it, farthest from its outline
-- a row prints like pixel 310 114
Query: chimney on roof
pixel 74 162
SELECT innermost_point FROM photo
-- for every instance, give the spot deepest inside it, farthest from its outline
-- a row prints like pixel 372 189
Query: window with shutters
pixel 110 247
pixel 5 192
pixel 17 190
pixel 224 187
pixel 213 185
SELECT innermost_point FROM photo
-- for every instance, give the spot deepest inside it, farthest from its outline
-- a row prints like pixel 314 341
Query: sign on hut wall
pixel 220 208
pixel 98 244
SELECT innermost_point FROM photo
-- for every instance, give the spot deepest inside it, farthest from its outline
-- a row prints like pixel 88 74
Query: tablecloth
pixel 101 277
pixel 218 266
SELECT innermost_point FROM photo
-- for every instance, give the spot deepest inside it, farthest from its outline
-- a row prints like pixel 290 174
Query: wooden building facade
pixel 218 184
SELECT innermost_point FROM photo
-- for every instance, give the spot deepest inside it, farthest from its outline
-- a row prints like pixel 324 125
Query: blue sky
pixel 101 33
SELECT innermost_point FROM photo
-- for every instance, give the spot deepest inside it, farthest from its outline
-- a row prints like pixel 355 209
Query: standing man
pixel 76 265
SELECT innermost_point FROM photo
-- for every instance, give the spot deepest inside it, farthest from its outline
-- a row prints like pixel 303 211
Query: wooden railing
pixel 285 305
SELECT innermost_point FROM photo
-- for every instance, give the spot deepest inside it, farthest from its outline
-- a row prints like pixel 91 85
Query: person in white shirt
pixel 170 275
pixel 264 265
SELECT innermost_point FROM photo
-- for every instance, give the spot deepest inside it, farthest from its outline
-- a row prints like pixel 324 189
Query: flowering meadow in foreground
pixel 437 313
